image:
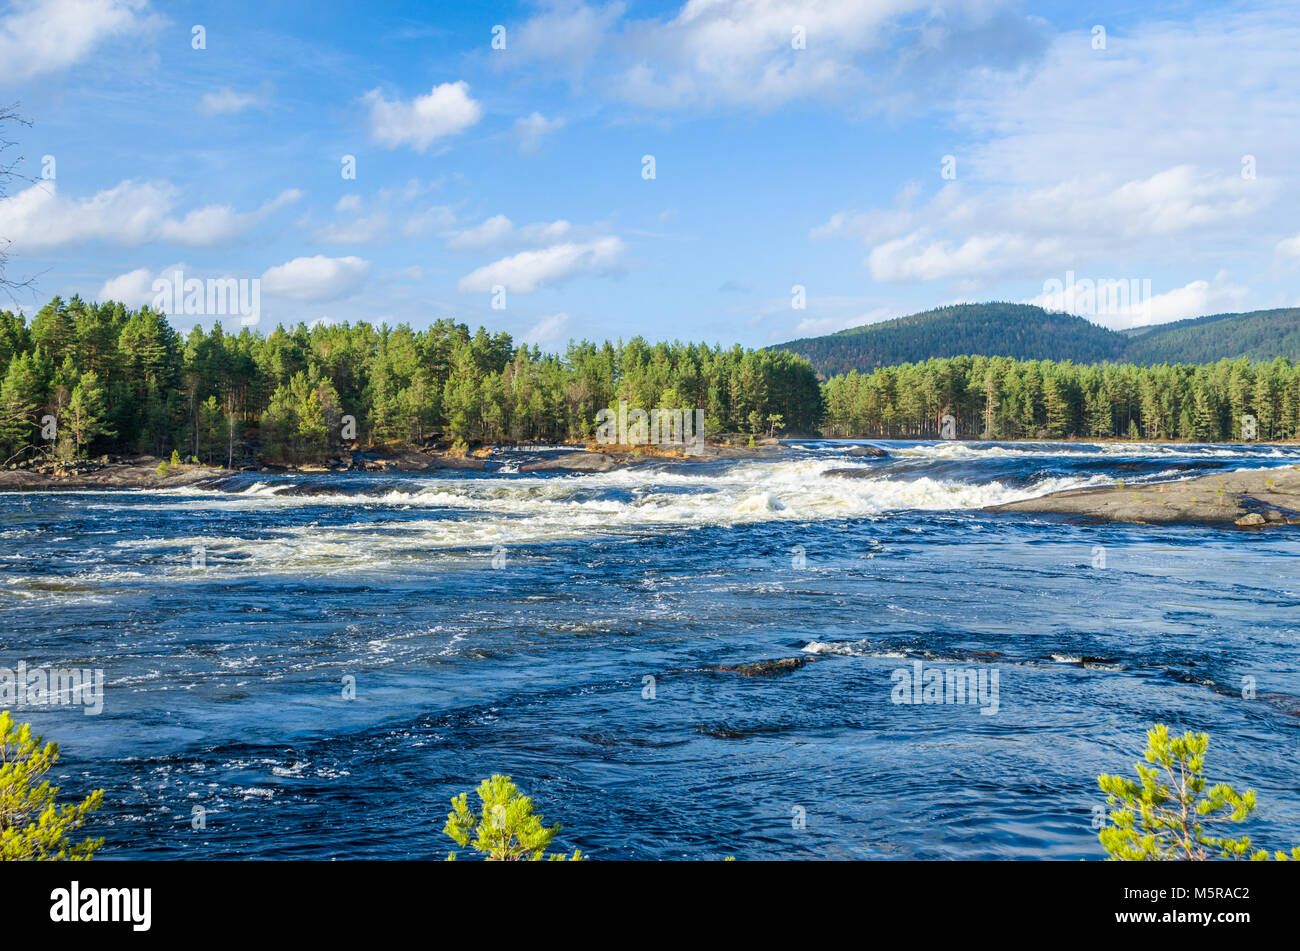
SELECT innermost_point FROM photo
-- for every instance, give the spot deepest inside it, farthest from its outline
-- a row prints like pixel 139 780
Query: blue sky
pixel 1163 151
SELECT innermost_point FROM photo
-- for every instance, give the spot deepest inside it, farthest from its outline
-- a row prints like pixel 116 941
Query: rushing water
pixel 499 622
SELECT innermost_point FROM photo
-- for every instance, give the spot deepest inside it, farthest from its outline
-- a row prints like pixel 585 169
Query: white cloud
pixel 130 213
pixel 1085 162
pixel 567 33
pixel 865 53
pixel 38 37
pixel 226 100
pixel 485 234
pixel 499 231
pixel 134 288
pixel 446 110
pixel 1124 109
pixel 546 331
pixel 529 270
pixel 316 278
pixel 384 215
pixel 1130 304
pixel 916 257
pixel 1289 248
pixel 972 233
pixel 531 130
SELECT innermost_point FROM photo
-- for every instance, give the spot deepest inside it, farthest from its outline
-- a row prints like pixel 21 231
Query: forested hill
pixel 1027 332
pixel 998 329
pixel 1258 335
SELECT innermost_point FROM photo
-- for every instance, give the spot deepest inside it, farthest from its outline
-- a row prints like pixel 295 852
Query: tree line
pixel 82 379
pixel 1004 398
pixel 85 378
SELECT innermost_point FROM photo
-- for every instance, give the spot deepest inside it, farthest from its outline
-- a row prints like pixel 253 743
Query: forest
pixel 1003 398
pixel 84 378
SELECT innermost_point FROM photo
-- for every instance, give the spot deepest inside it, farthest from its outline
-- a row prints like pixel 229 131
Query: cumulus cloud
pixel 134 288
pixel 530 270
pixel 129 214
pixel 317 278
pixel 38 37
pixel 446 110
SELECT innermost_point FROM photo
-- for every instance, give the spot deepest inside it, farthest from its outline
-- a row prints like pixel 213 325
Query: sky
pixel 728 171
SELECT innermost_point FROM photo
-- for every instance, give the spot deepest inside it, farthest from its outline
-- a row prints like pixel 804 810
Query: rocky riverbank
pixel 142 472
pixel 1254 498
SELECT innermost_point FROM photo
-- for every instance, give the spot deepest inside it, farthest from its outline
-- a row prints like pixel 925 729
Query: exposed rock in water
pixel 574 462
pixel 1249 498
pixel 873 452
pixel 765 668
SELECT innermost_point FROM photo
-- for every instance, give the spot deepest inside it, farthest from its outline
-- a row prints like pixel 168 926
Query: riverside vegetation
pixel 1165 815
pixel 32 826
pixel 87 378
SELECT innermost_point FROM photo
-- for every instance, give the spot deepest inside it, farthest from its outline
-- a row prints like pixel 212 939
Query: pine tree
pixel 33 827
pixel 87 415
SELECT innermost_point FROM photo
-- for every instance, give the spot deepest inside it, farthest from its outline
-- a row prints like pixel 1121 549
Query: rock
pixel 1227 497
pixel 765 668
pixel 574 462
pixel 873 452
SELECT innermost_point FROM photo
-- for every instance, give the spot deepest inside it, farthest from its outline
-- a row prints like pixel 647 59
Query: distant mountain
pixel 1032 333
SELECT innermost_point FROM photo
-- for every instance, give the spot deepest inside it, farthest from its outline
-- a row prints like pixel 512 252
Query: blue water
pixel 499 622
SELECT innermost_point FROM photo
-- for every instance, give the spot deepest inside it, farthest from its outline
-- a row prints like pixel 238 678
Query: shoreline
pixel 140 472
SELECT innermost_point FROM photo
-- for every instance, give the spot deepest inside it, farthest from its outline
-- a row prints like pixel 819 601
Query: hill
pixel 1257 335
pixel 995 330
pixel 1032 333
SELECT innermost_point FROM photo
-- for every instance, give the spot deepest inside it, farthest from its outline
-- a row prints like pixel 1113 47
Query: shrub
pixel 1165 816
pixel 505 830
pixel 32 827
